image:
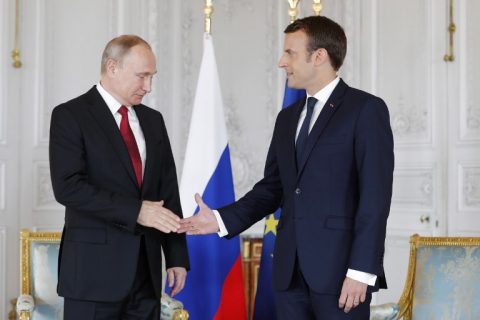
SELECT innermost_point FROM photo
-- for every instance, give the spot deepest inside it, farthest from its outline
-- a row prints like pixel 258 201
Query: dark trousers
pixel 299 302
pixel 140 304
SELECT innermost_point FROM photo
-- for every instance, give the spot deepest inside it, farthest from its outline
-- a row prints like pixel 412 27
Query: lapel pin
pixel 332 105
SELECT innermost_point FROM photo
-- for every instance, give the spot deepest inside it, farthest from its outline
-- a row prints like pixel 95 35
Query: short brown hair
pixel 118 47
pixel 325 33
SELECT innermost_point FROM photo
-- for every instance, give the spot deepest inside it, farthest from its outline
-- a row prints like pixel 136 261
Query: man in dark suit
pixel 330 169
pixel 112 168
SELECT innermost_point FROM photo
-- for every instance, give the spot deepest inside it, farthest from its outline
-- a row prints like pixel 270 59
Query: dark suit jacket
pixel 335 204
pixel 93 177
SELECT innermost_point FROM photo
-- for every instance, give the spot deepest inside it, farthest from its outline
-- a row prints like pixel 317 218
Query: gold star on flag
pixel 271 225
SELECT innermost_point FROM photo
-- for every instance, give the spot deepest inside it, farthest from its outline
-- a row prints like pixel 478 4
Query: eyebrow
pixel 146 73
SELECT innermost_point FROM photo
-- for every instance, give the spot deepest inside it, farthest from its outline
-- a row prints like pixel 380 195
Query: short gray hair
pixel 119 47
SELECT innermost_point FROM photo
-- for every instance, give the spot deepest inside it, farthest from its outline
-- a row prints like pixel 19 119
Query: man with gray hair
pixel 112 168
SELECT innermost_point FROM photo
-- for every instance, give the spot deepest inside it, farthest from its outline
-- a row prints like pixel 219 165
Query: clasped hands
pixel 203 222
pixel 153 214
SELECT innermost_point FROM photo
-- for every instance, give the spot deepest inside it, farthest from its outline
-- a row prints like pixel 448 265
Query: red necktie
pixel 131 143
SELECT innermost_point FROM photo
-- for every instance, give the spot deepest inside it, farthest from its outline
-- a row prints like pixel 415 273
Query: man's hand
pixel 155 215
pixel 353 293
pixel 204 222
pixel 176 277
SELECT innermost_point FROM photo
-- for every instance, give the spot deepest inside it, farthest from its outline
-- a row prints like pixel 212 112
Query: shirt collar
pixel 326 91
pixel 111 102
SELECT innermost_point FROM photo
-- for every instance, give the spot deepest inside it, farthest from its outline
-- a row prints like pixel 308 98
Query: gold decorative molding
pixel 12 314
pixel 26 237
pixel 17 63
pixel 24 315
pixel 246 251
pixel 208 10
pixel 449 57
pixel 317 7
pixel 181 315
pixel 293 10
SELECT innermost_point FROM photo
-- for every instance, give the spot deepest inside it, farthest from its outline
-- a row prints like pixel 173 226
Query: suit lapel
pixel 330 107
pixel 152 141
pixel 291 133
pixel 106 121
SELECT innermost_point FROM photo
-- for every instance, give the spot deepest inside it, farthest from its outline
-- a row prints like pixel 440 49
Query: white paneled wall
pixel 9 155
pixel 3 269
pixel 464 115
pixel 395 50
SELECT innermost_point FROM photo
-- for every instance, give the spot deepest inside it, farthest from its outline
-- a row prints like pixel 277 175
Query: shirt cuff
pixel 362 277
pixel 223 230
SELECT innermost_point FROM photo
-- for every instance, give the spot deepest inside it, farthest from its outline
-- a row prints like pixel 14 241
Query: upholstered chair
pixel 443 280
pixel 387 311
pixel 38 298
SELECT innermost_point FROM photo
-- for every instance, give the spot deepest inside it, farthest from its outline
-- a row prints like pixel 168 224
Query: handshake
pixel 153 214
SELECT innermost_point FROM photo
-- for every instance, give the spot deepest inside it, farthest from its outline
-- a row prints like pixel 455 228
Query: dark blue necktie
pixel 303 134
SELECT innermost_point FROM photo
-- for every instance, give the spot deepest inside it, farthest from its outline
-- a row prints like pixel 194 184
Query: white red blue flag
pixel 214 287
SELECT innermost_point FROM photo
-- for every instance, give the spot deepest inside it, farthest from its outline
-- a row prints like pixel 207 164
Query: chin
pixel 293 85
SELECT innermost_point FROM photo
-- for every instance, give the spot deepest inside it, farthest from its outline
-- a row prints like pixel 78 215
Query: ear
pixel 320 56
pixel 111 67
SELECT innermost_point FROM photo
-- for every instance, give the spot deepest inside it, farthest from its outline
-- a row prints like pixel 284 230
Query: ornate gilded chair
pixel 443 279
pixel 38 298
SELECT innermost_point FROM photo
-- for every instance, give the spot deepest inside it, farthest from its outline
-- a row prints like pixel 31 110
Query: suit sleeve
pixel 374 160
pixel 70 181
pixel 264 198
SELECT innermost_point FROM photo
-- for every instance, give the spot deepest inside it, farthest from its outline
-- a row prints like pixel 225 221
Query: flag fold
pixel 214 287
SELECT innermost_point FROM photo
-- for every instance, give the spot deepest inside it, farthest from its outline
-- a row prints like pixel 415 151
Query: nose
pixel 282 63
pixel 147 84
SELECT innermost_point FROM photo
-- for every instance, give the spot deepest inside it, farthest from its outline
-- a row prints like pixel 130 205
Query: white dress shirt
pixel 322 97
pixel 114 105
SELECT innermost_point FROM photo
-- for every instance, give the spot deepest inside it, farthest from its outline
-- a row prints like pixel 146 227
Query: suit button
pixel 298 191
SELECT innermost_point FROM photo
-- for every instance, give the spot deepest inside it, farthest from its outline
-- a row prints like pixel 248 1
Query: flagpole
pixel 208 10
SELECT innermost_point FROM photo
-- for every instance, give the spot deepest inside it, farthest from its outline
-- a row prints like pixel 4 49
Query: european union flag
pixel 264 308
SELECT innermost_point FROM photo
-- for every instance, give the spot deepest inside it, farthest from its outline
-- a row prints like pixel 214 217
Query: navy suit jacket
pixel 93 177
pixel 336 202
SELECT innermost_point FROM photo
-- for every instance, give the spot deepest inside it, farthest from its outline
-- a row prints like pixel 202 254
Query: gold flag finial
pixel 449 57
pixel 293 11
pixel 208 10
pixel 317 7
pixel 17 63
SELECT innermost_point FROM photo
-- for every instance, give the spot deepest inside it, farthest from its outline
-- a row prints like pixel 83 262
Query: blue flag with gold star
pixel 264 308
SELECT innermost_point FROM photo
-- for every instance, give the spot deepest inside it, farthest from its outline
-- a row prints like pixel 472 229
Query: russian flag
pixel 264 308
pixel 214 287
